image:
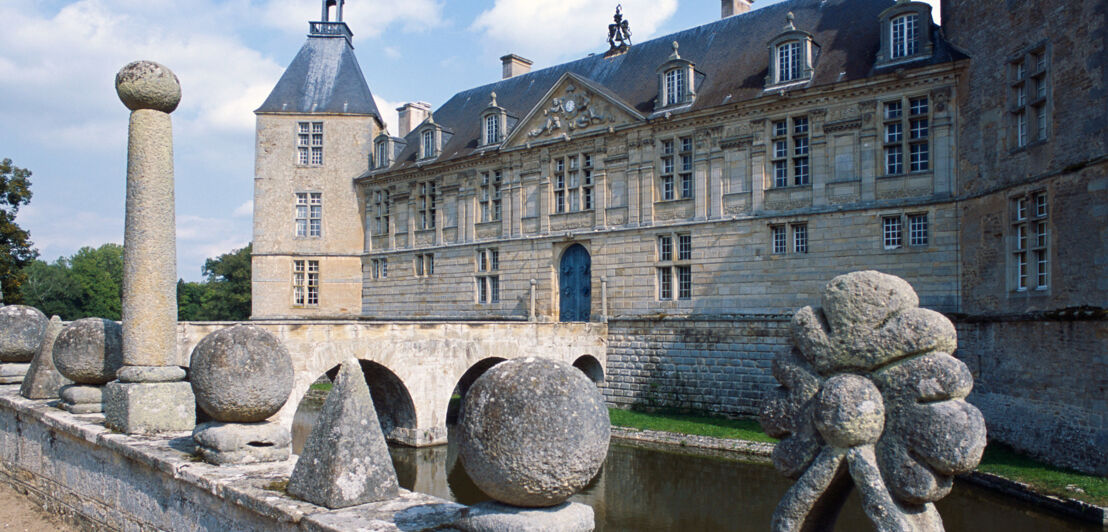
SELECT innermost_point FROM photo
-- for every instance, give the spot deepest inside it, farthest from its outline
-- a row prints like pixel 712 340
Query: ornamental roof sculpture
pixel 871 397
pixel 619 31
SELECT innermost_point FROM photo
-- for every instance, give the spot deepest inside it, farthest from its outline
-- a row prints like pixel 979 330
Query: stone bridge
pixel 413 368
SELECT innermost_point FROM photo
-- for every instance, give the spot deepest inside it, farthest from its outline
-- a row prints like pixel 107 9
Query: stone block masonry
pixel 720 365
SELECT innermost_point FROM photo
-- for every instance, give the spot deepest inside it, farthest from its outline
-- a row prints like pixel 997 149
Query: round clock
pixel 570 105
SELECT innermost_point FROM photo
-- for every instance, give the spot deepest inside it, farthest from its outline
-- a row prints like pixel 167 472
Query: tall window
pixel 788 61
pixel 309 143
pixel 488 275
pixel 1030 242
pixel 779 239
pixel 676 176
pixel 490 196
pixel 675 86
pixel 424 264
pixel 427 143
pixel 674 266
pixel 309 214
pixel 1029 97
pixel 492 129
pixel 381 211
pixel 382 154
pixel 907 133
pixel 666 175
pixel 305 283
pixel 800 238
pixel 790 152
pixel 379 268
pixel 904 35
pixel 917 229
pixel 428 204
pixel 573 183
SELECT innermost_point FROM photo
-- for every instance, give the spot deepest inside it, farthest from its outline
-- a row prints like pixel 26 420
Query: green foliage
pixel 88 284
pixel 1003 461
pixel 716 427
pixel 225 293
pixel 16 251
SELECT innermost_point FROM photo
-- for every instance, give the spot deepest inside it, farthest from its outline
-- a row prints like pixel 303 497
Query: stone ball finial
pixel 148 85
pixel 21 331
pixel 241 374
pixel 533 432
pixel 89 350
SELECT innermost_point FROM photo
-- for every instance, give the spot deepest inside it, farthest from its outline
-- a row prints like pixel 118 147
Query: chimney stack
pixel 515 65
pixel 735 7
pixel 411 115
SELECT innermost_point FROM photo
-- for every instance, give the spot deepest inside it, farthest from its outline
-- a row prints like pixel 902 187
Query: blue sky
pixel 61 118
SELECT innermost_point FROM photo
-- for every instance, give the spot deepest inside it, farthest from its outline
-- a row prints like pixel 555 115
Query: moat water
pixel 641 489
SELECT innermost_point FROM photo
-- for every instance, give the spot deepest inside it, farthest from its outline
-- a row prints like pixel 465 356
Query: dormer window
pixel 904 36
pixel 788 61
pixel 792 56
pixel 676 81
pixel 494 122
pixel 905 33
pixel 492 129
pixel 427 144
pixel 381 154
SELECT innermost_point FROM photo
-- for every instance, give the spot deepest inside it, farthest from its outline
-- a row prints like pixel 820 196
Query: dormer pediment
pixel 573 106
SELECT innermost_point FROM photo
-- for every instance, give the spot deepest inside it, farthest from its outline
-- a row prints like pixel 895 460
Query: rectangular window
pixel 674 268
pixel 788 61
pixel 488 275
pixel 424 264
pixel 309 214
pixel 492 129
pixel 428 143
pixel 490 195
pixel 780 244
pixel 800 238
pixel 1029 87
pixel 428 204
pixel 1031 241
pixel 917 145
pixel 665 282
pixel 917 230
pixel 379 268
pixel 684 282
pixel 309 143
pixel 675 86
pixel 675 176
pixel 305 283
pixel 790 153
pixel 381 211
pixel 684 247
pixel 381 154
pixel 892 231
pixel 905 36
pixel 573 189
pixel 665 248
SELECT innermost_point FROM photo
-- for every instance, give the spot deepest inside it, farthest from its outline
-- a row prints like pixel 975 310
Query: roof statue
pixel 619 31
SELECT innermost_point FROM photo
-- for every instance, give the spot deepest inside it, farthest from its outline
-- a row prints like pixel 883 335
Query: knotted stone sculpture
pixel 151 394
pixel 345 461
pixel 241 376
pixel 871 397
pixel 533 432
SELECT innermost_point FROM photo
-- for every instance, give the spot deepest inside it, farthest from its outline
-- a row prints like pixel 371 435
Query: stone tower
pixel 314 133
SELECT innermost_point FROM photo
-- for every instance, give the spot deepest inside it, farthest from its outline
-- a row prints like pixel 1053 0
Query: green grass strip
pixel 1003 461
pixel 733 429
pixel 325 386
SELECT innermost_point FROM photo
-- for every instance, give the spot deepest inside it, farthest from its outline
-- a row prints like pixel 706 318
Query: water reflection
pixel 650 490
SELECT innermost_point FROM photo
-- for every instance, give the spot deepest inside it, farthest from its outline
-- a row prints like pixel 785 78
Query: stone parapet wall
pixel 1043 387
pixel 718 365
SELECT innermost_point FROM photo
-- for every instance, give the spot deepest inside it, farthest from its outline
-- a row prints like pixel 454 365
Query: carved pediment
pixel 574 106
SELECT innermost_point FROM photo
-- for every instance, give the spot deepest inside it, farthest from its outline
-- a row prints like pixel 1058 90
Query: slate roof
pixel 731 54
pixel 324 77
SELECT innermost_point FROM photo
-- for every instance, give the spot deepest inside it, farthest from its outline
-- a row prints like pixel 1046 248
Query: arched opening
pixel 332 11
pixel 394 405
pixel 591 367
pixel 454 409
pixel 575 284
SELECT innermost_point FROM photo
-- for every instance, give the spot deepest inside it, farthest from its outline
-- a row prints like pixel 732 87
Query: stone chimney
pixel 734 7
pixel 411 115
pixel 515 65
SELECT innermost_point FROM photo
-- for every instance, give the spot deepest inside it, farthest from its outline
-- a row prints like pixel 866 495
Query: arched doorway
pixel 575 284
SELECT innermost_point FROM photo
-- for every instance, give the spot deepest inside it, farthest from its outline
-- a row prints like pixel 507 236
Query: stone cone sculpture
pixel 43 380
pixel 345 461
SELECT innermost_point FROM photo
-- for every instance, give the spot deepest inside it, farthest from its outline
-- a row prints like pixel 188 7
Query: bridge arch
pixel 591 367
pixel 391 399
pixel 454 409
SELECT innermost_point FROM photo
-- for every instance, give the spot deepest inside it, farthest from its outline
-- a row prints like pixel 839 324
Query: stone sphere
pixel 89 350
pixel 533 432
pixel 148 85
pixel 21 331
pixel 241 374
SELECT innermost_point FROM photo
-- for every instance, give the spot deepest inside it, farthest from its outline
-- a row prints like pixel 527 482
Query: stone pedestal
pixel 82 398
pixel 149 407
pixel 13 373
pixel 493 516
pixel 242 443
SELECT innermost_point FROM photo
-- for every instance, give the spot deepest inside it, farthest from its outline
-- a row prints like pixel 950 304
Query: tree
pixel 16 252
pixel 227 294
pixel 99 274
pixel 51 289
pixel 190 301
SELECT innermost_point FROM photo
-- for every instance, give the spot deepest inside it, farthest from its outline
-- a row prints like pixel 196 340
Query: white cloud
pixel 370 18
pixel 388 113
pixel 246 210
pixel 547 30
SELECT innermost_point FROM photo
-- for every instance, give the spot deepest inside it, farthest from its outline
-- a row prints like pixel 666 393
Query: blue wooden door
pixel 575 281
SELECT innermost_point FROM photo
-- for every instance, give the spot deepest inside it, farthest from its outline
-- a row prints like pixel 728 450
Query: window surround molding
pixel 676 82
pixel 808 53
pixel 905 230
pixel 430 147
pixel 498 116
pixel 392 147
pixel 1029 73
pixel 923 44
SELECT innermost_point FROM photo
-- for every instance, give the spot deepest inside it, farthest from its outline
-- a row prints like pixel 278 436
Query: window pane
pixel 917 229
pixel 891 231
pixel 665 248
pixel 800 238
pixel 778 239
pixel 684 282
pixel 684 247
pixel 665 283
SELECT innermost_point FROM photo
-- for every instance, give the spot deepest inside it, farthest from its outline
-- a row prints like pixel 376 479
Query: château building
pixel 693 190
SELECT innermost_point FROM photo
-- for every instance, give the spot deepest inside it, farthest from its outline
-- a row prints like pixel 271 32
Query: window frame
pixel 573 183
pixel 308 215
pixel 1029 96
pixel 673 258
pixel 790 159
pixel 309 143
pixel 426 205
pixel 906 137
pixel 487 276
pixel 1029 248
pixel 305 283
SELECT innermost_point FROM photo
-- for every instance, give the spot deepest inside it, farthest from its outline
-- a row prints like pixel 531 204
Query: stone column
pixel 150 394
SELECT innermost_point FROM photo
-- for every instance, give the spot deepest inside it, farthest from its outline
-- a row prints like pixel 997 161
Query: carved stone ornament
pixel 573 109
pixel 871 398
pixel 619 31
